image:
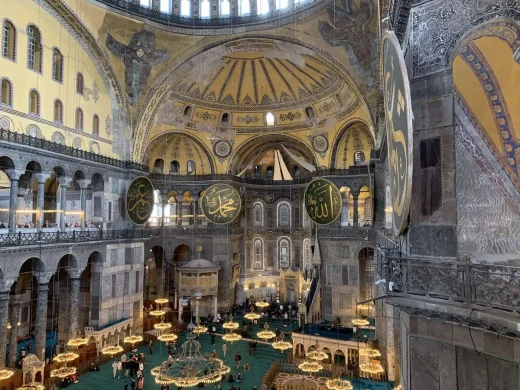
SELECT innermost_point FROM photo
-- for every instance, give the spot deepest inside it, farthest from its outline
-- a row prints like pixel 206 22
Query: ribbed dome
pixel 198 264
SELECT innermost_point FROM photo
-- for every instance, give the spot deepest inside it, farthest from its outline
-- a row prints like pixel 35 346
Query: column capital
pixel 44 278
pixel 64 180
pixel 42 177
pixel 179 198
pixel 14 174
pixel 83 183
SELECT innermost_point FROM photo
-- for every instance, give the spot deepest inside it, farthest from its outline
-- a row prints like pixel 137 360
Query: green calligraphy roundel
pixel 322 201
pixel 221 203
pixel 139 200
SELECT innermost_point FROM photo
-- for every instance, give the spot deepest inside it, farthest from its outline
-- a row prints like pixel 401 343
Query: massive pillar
pixel 4 309
pixel 180 309
pixel 95 294
pixel 355 196
pixel 197 304
pixel 14 317
pixel 74 283
pixel 40 327
pixel 215 307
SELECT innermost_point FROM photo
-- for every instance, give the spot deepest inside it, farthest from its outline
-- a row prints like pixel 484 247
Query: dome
pixel 199 264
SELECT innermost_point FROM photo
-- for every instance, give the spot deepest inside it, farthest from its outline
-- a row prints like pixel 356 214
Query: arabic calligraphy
pixel 139 200
pixel 221 203
pixel 398 115
pixel 322 201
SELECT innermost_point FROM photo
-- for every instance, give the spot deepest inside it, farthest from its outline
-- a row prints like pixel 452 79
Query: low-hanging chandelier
pixel 231 337
pixel 77 342
pixel 266 334
pixel 133 339
pixel 161 301
pixel 65 357
pixel 6 374
pixel 63 372
pixel 339 384
pixel 262 304
pixel 199 329
pixel 162 326
pixel 252 316
pixel 373 367
pixel 317 356
pixel 157 313
pixel 112 350
pixel 310 366
pixel 190 368
pixel 230 324
pixel 282 345
pixel 371 353
pixel 168 337
pixel 360 322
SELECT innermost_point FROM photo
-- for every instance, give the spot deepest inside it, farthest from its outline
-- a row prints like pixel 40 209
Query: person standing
pixel 150 347
pixel 132 384
pixel 214 354
pixel 212 338
pixel 125 386
pixel 224 349
pixel 123 361
pixel 114 368
pixel 238 359
pixel 119 369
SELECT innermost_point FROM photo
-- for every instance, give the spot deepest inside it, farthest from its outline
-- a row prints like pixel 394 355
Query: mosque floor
pixel 260 363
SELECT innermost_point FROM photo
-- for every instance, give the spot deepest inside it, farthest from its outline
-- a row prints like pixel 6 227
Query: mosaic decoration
pixel 138 57
pixel 78 143
pixel 95 91
pixel 205 116
pixel 5 123
pixel 108 125
pixel 290 116
pixel 139 200
pixel 320 143
pixel 222 149
pixel 33 131
pixel 221 204
pixel 247 119
pixel 399 129
pixel 322 201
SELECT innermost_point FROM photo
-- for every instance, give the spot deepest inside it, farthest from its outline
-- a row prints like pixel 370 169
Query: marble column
pixel 197 305
pixel 215 307
pixel 83 184
pixel 95 294
pixel 356 211
pixel 4 309
pixel 13 202
pixel 41 178
pixel 14 317
pixel 63 181
pixel 175 300
pixel 40 326
pixel 74 283
pixel 195 211
pixel 180 309
pixel 179 209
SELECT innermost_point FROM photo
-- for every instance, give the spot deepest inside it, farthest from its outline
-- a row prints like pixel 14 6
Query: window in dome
pixel 58 111
pixel 280 4
pixel 309 111
pixel 359 158
pixel 245 7
pixel 269 119
pixel 95 125
pixel 7 93
pixel 339 100
pixel 34 102
pixel 158 166
pixel 257 170
pixel 205 9
pixel 175 168
pixel 34 49
pixel 225 119
pixel 224 8
pixel 187 112
pixel 165 6
pixel 145 3
pixel 191 167
pixel 9 41
pixel 269 172
pixel 186 8
pixel 263 7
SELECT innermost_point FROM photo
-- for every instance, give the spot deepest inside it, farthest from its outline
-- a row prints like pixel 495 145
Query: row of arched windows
pixel 175 167
pixel 284 254
pixel 35 53
pixel 283 214
pixel 224 7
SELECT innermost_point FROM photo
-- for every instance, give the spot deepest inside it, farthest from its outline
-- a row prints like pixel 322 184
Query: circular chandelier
pixel 168 337
pixel 77 342
pixel 66 357
pixel 372 367
pixel 360 322
pixel 199 329
pixel 310 366
pixel 31 386
pixel 230 325
pixel 317 356
pixel 282 345
pixel 231 337
pixel 266 334
pixel 161 301
pixel 262 304
pixel 133 339
pixel 252 316
pixel 371 353
pixel 63 372
pixel 190 368
pixel 162 326
pixel 157 313
pixel 339 384
pixel 112 350
pixel 6 374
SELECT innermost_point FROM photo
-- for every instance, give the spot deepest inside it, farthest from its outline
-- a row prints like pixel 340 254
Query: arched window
pixel 258 214
pixel 345 197
pixel 190 168
pixel 9 41
pixel 269 172
pixel 257 170
pixel 281 4
pixel 57 65
pixel 339 100
pixel 284 252
pixel 34 102
pixel 175 168
pixel 165 6
pixel 262 6
pixel 225 119
pixel 309 111
pixel 295 171
pixel 145 3
pixel 283 214
pixel 224 8
pixel 359 158
pixel 245 7
pixel 58 111
pixel 187 112
pixel 186 8
pixel 95 125
pixel 7 92
pixel 307 254
pixel 205 9
pixel 80 84
pixel 269 119
pixel 258 254
pixel 158 166
pixel 78 123
pixel 34 49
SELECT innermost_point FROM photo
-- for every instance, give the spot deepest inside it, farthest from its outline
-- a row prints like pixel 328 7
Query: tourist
pixel 150 347
pixel 140 384
pixel 247 367
pixel 231 378
pixel 212 338
pixel 93 367
pixel 141 366
pixel 132 384
pixel 123 362
pixel 125 386
pixel 114 368
pixel 238 359
pixel 239 378
pixel 224 349
pixel 214 354
pixel 119 369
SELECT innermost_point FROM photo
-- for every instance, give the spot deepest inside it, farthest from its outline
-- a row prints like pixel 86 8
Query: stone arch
pixel 31 264
pixel 341 139
pixel 182 253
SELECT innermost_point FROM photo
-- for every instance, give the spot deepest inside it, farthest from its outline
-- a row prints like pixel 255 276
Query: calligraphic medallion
pixel 399 129
pixel 139 200
pixel 221 203
pixel 322 201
